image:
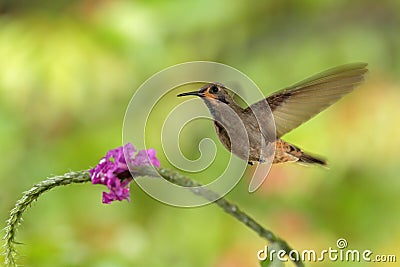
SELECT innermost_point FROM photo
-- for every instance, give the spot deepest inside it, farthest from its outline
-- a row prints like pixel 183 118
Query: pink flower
pixel 113 164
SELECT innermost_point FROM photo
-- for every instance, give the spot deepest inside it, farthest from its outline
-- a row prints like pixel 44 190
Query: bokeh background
pixel 69 68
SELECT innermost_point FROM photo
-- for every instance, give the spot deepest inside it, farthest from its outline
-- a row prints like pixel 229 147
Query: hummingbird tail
pixel 286 152
pixel 308 159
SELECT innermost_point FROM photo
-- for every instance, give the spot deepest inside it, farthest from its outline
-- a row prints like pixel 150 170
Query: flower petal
pixel 113 164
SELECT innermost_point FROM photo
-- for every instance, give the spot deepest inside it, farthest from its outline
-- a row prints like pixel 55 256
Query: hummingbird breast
pixel 240 132
pixel 243 139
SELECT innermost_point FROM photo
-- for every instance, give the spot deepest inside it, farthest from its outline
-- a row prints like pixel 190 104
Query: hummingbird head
pixel 212 92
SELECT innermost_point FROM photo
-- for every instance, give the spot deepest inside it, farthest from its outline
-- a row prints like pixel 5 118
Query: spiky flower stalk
pixel 113 172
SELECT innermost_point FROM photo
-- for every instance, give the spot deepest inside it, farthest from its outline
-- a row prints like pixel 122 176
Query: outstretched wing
pixel 298 103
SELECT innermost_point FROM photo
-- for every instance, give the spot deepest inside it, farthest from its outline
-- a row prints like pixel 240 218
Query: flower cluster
pixel 115 163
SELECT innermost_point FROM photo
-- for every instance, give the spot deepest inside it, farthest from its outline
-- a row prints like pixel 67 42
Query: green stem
pixel 83 176
pixel 28 197
pixel 229 208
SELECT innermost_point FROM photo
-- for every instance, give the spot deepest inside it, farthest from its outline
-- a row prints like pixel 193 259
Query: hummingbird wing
pixel 300 102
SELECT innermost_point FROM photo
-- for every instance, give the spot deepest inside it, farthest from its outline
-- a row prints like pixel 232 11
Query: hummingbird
pixel 239 128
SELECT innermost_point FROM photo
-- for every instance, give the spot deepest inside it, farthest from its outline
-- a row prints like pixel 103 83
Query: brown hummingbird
pixel 242 131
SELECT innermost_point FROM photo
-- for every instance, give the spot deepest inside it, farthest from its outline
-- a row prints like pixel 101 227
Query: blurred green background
pixel 69 68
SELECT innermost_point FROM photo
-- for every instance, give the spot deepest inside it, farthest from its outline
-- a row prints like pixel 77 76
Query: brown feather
pixel 300 102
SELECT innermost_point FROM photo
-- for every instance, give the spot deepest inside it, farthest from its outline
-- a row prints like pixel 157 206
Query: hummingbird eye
pixel 214 89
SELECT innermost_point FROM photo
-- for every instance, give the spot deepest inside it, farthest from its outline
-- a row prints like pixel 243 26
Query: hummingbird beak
pixel 195 93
